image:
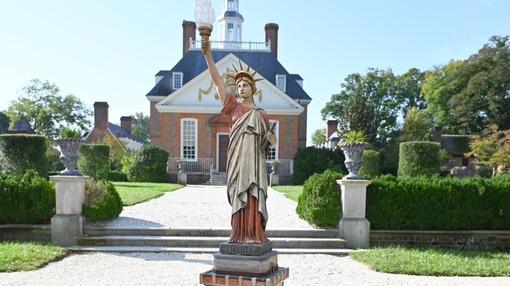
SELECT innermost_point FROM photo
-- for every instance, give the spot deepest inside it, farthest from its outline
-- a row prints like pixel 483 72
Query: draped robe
pixel 246 172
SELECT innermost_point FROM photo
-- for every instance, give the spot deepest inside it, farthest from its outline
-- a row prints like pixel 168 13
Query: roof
pixel 232 14
pixel 193 64
pixel 118 131
pixel 22 125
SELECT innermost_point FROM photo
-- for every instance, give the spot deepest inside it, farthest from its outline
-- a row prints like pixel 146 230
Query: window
pixel 273 152
pixel 281 82
pixel 189 136
pixel 177 78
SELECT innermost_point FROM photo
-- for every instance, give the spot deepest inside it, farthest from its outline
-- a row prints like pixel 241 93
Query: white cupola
pixel 230 22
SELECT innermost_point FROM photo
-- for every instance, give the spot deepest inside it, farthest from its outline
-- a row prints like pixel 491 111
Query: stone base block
pixel 66 228
pixel 274 179
pixel 355 231
pixel 246 265
pixel 276 278
pixel 182 179
pixel 246 249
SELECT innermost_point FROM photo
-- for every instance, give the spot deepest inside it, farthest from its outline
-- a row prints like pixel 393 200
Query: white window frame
pixel 174 85
pixel 277 133
pixel 282 77
pixel 196 138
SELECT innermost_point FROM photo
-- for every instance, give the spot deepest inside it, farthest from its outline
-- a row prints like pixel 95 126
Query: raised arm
pixel 213 71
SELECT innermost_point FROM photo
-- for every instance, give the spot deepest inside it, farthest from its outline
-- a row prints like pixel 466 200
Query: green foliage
pixel 389 157
pixel 117 176
pixel 93 160
pixel 418 158
pixel 140 129
pixel 117 149
pixel 319 202
pixel 354 136
pixel 4 123
pixel 134 193
pixel 417 125
pixel 70 133
pixel 319 136
pixel 467 96
pixel 149 165
pixel 102 202
pixel 53 155
pixel 47 110
pixel 20 152
pixel 26 198
pixel 311 160
pixel 490 148
pixel 127 161
pixel 370 164
pixel 435 203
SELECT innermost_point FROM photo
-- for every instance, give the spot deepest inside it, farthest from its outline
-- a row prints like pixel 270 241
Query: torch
pixel 204 18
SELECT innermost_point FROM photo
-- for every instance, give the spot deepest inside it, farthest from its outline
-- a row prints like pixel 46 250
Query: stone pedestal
pixel 354 227
pixel 67 223
pixel 182 179
pixel 245 264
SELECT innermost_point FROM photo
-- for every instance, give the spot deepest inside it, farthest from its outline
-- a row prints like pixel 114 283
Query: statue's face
pixel 244 89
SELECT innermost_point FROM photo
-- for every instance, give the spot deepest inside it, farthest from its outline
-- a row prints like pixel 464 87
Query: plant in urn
pixel 352 144
pixel 69 144
pixel 204 17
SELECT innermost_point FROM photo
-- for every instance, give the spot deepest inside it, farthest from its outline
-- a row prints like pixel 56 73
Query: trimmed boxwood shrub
pixel 26 198
pixel 149 165
pixel 117 176
pixel 319 202
pixel 94 161
pixel 102 202
pixel 419 158
pixel 435 203
pixel 21 152
pixel 370 164
pixel 311 160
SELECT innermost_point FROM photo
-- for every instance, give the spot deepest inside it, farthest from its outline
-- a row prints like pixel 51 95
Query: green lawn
pixel 24 256
pixel 134 193
pixel 291 192
pixel 435 262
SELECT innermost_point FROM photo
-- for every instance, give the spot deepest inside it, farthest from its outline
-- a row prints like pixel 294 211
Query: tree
pixel 467 96
pixel 140 130
pixel 417 125
pixel 367 103
pixel 319 136
pixel 490 148
pixel 4 123
pixel 408 90
pixel 47 110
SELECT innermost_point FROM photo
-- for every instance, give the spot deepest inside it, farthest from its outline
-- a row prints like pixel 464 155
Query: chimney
pixel 101 115
pixel 272 35
pixel 126 122
pixel 189 29
pixel 331 128
pixel 437 133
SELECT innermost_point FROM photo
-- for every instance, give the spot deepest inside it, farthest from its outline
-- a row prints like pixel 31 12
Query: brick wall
pixel 480 239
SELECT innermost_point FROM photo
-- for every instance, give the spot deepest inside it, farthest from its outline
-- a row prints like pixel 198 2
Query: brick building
pixel 185 114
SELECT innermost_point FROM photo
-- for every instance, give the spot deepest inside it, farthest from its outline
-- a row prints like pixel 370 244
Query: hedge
pixel 370 164
pixel 418 158
pixel 311 160
pixel 149 165
pixel 102 202
pixel 319 202
pixel 94 161
pixel 26 198
pixel 117 176
pixel 435 203
pixel 21 152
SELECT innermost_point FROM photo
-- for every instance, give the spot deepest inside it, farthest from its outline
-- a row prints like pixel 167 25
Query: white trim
pixel 174 87
pixel 226 61
pixel 284 77
pixel 277 133
pixel 155 98
pixel 196 138
pixel 216 110
pixel 218 149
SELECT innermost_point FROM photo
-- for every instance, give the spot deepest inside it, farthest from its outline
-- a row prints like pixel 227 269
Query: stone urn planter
pixel 69 148
pixel 274 166
pixel 352 152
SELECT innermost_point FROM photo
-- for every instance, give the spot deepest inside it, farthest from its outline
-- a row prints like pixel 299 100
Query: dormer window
pixel 281 82
pixel 177 78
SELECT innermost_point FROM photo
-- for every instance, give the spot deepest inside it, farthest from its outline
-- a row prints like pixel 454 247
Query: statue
pixel 250 140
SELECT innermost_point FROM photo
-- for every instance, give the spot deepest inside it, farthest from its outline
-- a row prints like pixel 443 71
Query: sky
pixel 110 50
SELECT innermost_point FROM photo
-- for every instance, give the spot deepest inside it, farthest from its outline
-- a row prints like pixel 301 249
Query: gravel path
pixel 183 269
pixel 203 207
